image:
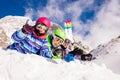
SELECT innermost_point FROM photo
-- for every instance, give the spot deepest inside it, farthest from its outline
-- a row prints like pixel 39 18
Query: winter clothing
pixel 49 39
pixel 30 39
pixel 29 44
pixel 76 51
pixel 79 54
pixel 69 57
pixel 86 57
pixel 27 29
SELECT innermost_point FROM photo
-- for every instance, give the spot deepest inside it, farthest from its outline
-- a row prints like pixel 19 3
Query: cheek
pixel 54 43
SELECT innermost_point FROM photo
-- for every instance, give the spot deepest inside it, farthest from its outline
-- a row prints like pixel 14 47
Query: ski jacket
pixel 49 39
pixel 30 44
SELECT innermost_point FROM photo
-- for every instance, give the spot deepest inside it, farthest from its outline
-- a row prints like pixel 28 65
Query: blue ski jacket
pixel 30 44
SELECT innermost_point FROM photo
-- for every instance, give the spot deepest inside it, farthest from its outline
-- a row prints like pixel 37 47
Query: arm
pixel 21 34
pixel 44 51
pixel 18 36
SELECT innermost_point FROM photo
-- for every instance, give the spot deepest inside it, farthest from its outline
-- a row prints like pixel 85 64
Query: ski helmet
pixel 60 33
pixel 45 21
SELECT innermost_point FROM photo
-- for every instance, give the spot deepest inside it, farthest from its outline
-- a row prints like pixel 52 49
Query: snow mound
pixel 16 66
pixel 12 23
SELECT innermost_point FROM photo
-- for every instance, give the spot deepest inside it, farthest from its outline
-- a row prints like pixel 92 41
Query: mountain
pixel 17 66
pixel 109 54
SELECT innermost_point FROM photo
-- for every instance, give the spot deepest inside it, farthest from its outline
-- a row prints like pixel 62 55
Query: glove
pixel 48 55
pixel 27 29
pixel 69 57
pixel 86 57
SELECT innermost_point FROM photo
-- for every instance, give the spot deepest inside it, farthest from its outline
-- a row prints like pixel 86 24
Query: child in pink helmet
pixel 32 39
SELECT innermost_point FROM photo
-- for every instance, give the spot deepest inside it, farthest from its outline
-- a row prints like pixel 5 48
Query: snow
pixel 10 24
pixel 109 54
pixel 17 66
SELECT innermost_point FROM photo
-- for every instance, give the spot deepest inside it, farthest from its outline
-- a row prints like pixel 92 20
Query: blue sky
pixel 18 7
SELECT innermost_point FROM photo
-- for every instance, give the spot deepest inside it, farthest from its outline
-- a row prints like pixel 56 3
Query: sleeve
pixel 18 36
pixel 44 51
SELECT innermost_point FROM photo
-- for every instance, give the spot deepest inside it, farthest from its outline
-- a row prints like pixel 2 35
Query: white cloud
pixel 29 12
pixel 53 9
pixel 107 24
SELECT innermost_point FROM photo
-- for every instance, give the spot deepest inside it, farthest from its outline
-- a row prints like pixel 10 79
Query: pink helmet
pixel 45 21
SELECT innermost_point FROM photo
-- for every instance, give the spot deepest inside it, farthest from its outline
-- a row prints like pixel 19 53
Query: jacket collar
pixel 42 36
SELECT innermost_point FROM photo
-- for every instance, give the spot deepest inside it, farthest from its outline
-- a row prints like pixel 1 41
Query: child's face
pixel 57 41
pixel 41 28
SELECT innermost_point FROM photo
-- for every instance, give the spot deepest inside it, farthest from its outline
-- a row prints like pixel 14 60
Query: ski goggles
pixel 42 26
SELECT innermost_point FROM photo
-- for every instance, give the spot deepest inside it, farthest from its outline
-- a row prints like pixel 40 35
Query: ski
pixel 68 29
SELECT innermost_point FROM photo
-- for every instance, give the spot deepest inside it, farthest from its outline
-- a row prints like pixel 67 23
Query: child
pixel 32 39
pixel 76 53
pixel 55 41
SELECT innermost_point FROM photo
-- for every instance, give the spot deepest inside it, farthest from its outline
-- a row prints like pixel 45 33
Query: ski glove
pixel 27 29
pixel 69 57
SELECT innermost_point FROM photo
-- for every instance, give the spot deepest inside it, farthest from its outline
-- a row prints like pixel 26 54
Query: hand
pixel 27 29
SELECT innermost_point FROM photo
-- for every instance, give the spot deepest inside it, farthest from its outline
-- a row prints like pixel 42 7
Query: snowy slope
pixel 10 24
pixel 16 66
pixel 109 54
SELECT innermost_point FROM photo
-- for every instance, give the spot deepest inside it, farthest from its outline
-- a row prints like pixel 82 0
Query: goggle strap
pixel 59 37
pixel 40 23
